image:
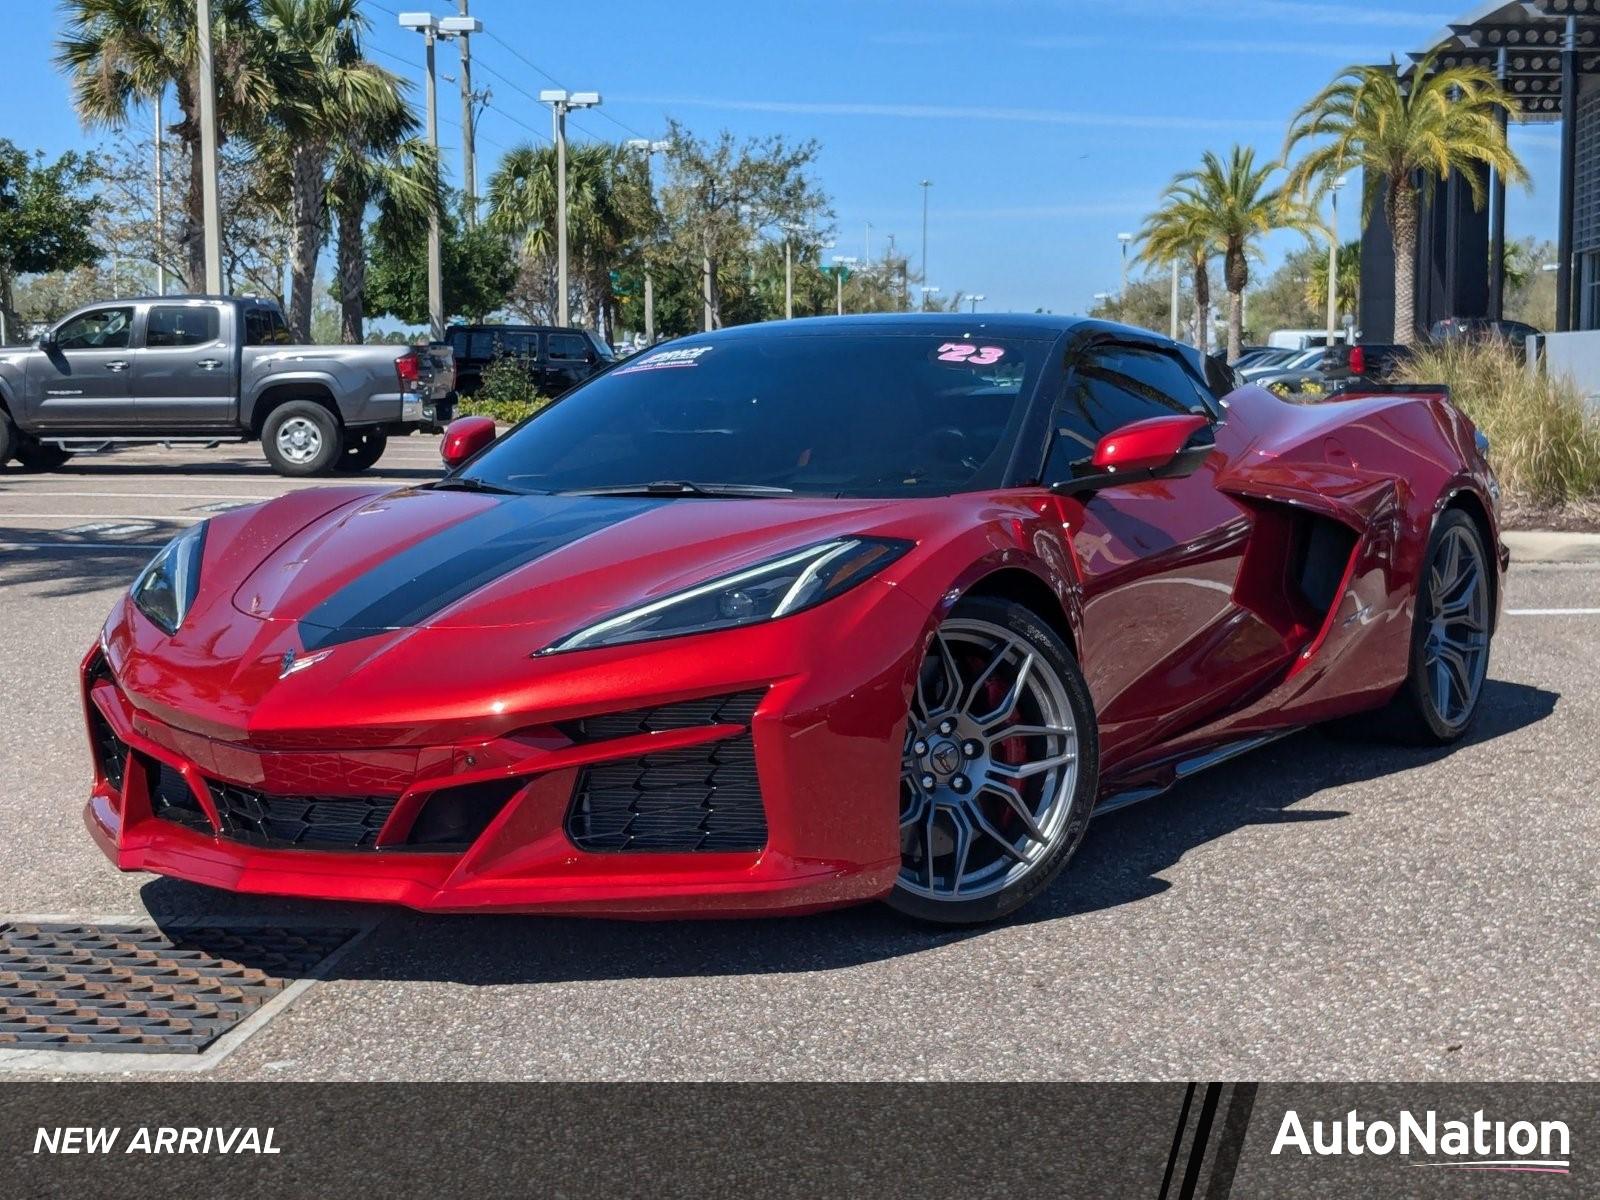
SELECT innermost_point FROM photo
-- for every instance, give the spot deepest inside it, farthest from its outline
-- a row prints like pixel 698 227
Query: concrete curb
pixel 1544 546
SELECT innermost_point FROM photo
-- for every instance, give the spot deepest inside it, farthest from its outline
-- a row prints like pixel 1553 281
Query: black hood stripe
pixel 434 573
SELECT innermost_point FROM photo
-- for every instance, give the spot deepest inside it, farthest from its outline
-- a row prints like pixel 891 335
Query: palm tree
pixel 119 54
pixel 1348 279
pixel 333 97
pixel 603 214
pixel 1230 205
pixel 401 181
pixel 1172 234
pixel 1405 134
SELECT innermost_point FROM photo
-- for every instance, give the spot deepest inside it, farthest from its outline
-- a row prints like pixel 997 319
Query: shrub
pixel 1544 440
pixel 507 393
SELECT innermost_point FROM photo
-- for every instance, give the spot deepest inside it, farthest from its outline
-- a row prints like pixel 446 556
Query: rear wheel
pixel 8 437
pixel 363 448
pixel 301 438
pixel 999 769
pixel 1449 637
pixel 36 456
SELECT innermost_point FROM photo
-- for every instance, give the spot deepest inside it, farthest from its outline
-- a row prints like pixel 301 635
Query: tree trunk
pixel 1401 209
pixel 1236 278
pixel 307 216
pixel 1202 308
pixel 352 265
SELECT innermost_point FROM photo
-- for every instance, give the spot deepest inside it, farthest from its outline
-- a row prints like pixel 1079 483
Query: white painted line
pixel 1553 612
pixel 186 518
pixel 147 546
pixel 150 495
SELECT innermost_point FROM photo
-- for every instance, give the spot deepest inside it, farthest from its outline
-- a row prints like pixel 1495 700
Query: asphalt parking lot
pixel 1325 908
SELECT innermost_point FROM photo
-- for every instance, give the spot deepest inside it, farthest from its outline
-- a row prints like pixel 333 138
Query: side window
pixel 523 345
pixel 264 327
pixel 483 346
pixel 567 347
pixel 1111 388
pixel 98 329
pixel 189 325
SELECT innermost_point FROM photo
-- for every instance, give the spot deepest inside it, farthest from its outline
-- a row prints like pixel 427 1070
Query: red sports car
pixel 791 616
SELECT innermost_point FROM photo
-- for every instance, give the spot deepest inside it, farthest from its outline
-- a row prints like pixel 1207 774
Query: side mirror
pixel 464 438
pixel 46 340
pixel 1155 448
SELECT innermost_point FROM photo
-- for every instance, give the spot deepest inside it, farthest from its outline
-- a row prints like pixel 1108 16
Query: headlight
pixel 785 585
pixel 166 588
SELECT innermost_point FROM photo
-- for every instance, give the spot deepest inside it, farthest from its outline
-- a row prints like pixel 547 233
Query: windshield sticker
pixel 687 356
pixel 968 354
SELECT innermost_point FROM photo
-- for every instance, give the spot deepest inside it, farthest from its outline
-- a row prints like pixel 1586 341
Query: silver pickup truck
pixel 204 369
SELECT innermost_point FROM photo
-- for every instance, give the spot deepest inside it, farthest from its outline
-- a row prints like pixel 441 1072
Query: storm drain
pixel 136 988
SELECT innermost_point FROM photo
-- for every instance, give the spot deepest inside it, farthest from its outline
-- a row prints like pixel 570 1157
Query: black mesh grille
pixel 733 709
pixel 698 798
pixel 110 753
pixel 171 797
pixel 304 822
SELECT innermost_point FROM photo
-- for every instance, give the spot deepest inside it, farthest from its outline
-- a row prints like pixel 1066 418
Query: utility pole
pixel 650 149
pixel 210 204
pixel 975 299
pixel 1126 239
pixel 562 102
pixel 868 259
pixel 841 264
pixel 925 185
pixel 469 162
pixel 161 224
pixel 1333 261
pixel 1175 299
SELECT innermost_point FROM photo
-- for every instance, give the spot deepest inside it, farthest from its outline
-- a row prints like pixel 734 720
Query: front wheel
pixel 1000 766
pixel 36 456
pixel 301 438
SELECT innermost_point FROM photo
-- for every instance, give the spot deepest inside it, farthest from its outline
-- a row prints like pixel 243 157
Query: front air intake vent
pixel 171 797
pixel 735 708
pixel 110 752
pixel 300 822
pixel 699 798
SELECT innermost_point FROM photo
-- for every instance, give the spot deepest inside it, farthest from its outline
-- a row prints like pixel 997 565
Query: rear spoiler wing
pixel 1360 387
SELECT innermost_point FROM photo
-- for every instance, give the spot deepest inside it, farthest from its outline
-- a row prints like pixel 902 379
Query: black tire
pixel 301 438
pixel 1027 875
pixel 8 437
pixel 363 448
pixel 35 456
pixel 1416 715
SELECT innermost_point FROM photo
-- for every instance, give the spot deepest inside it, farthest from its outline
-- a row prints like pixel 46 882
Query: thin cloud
pixel 951 112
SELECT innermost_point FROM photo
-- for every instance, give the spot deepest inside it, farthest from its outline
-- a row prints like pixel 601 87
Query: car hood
pixel 542 565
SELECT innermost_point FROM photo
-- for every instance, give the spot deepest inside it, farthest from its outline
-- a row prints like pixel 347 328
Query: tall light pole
pixel 926 292
pixel 161 221
pixel 649 149
pixel 210 203
pixel 974 300
pixel 1126 239
pixel 1175 295
pixel 868 258
pixel 562 102
pixel 789 232
pixel 841 263
pixel 1333 260
pixel 469 149
pixel 925 185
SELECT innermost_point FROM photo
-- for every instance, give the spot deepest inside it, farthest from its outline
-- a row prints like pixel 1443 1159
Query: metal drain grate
pixel 137 988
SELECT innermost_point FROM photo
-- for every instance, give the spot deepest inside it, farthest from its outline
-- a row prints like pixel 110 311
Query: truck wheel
pixel 363 448
pixel 35 456
pixel 301 438
pixel 8 438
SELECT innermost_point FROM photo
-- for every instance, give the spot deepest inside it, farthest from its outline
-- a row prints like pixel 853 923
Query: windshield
pixel 845 414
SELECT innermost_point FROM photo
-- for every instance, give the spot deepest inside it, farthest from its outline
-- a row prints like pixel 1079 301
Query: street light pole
pixel 1126 239
pixel 974 299
pixel 161 223
pixel 1333 261
pixel 562 102
pixel 840 263
pixel 1175 296
pixel 650 150
pixel 925 185
pixel 210 203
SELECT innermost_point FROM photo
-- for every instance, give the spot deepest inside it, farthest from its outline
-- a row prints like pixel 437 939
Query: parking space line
pixel 1553 612
pixel 95 516
pixel 141 546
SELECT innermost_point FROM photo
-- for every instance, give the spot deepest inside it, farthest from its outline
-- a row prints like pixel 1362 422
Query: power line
pixel 528 62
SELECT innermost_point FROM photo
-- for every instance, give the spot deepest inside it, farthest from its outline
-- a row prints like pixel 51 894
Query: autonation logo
pixel 1478 1144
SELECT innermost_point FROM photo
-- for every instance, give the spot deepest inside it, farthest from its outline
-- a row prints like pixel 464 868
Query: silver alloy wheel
pixel 989 767
pixel 299 440
pixel 1455 648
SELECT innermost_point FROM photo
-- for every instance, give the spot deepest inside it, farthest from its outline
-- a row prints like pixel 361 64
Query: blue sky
pixel 1046 126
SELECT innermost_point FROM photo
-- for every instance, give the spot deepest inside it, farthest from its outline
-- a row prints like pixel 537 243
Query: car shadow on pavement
pixel 1120 862
pixel 62 565
pixel 97 467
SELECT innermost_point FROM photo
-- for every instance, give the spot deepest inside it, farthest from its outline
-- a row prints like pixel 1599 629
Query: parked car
pixel 1298 339
pixel 784 617
pixel 439 376
pixel 1298 362
pixel 1365 362
pixel 1514 334
pixel 556 359
pixel 203 369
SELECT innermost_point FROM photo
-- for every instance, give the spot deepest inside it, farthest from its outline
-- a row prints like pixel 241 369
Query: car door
pixel 1164 643
pixel 567 358
pixel 81 379
pixel 183 372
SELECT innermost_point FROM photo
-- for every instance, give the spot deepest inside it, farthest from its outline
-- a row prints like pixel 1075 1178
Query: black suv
pixel 556 359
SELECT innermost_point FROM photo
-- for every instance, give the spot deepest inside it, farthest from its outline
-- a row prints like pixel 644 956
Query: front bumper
pixel 826 754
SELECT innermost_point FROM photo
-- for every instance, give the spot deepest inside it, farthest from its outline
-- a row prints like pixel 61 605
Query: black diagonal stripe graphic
pixel 436 572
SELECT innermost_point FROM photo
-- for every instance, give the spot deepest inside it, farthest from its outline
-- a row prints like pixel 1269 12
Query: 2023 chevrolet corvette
pixel 791 616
